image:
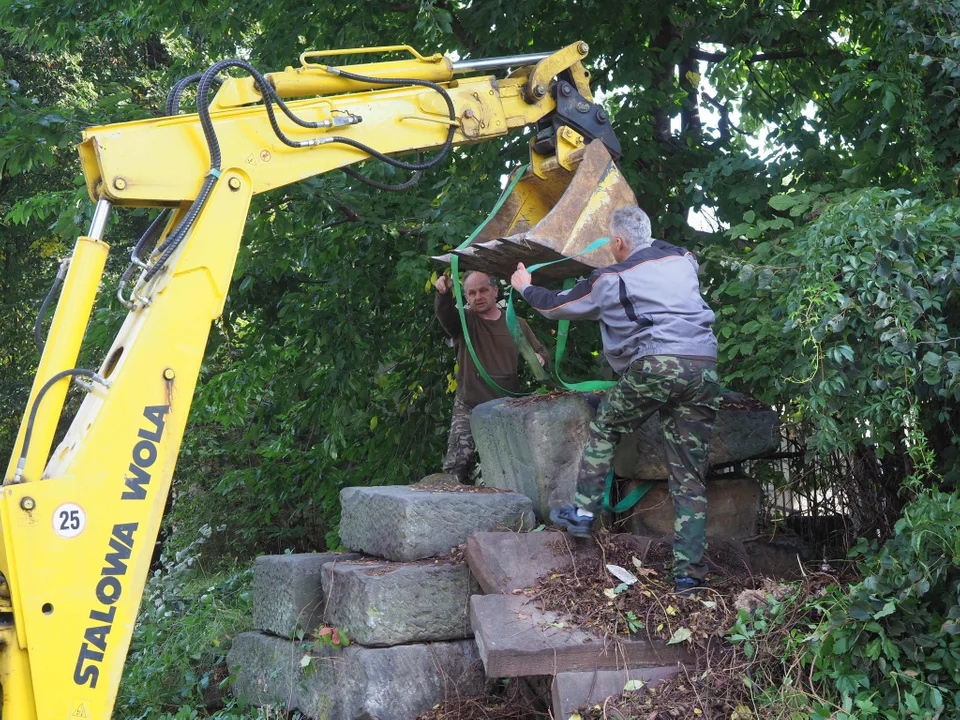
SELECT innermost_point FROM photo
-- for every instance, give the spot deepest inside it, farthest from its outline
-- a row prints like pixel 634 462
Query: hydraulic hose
pixel 36 406
pixel 173 97
pixel 270 96
pixel 38 324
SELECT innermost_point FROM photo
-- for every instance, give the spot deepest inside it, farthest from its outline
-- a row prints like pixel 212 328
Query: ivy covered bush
pixel 850 320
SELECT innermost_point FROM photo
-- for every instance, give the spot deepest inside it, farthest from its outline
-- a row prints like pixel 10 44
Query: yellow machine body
pixel 79 523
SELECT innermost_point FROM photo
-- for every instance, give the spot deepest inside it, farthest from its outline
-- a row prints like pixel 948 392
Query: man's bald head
pixel 488 279
pixel 480 291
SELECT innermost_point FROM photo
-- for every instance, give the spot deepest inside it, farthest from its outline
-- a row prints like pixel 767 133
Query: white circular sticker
pixel 69 520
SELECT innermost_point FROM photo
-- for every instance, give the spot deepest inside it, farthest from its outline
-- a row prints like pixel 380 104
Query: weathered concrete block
pixel 733 505
pixel 778 557
pixel 287 595
pixel 534 445
pixel 573 690
pixel 393 604
pixel 516 639
pixel 403 523
pixel 504 561
pixel 356 683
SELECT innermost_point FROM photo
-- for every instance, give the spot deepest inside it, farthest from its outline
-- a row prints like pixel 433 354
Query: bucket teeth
pixel 549 216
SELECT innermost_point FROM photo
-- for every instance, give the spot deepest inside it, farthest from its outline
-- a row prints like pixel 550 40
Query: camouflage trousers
pixel 686 391
pixel 460 460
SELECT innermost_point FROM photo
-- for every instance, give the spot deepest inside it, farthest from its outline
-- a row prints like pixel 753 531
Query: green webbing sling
pixel 526 349
pixel 538 371
pixel 563 329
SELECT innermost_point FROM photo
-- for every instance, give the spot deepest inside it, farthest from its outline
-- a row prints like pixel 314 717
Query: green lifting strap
pixel 526 349
pixel 626 503
pixel 455 273
pixel 563 330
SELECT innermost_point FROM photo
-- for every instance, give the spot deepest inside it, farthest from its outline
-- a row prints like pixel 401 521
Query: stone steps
pixel 420 629
pixel 572 690
pixel 382 604
pixel 405 611
pixel 392 683
pixel 287 591
pixel 516 639
pixel 405 523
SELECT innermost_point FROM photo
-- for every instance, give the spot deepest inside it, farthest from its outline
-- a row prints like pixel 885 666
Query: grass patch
pixel 176 667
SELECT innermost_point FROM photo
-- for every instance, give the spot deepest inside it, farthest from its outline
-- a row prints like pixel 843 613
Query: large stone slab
pixel 394 603
pixel 573 690
pixel 355 683
pixel 733 506
pixel 403 523
pixel 534 445
pixel 503 561
pixel 287 593
pixel 515 639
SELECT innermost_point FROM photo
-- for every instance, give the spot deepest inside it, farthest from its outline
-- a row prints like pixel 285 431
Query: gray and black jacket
pixel 649 304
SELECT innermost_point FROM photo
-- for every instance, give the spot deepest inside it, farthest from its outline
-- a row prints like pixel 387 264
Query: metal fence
pixel 827 504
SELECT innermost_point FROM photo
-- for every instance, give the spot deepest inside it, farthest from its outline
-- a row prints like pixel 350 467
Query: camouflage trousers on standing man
pixel 459 460
pixel 686 391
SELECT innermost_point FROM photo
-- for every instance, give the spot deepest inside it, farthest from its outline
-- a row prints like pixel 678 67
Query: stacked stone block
pixel 534 447
pixel 402 600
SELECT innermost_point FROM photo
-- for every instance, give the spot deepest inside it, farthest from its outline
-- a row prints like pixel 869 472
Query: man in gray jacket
pixel 657 335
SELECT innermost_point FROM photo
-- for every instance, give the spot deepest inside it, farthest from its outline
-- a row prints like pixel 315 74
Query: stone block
pixel 404 523
pixel 396 603
pixel 733 506
pixel 779 557
pixel 287 595
pixel 573 690
pixel 503 561
pixel 516 639
pixel 355 683
pixel 534 445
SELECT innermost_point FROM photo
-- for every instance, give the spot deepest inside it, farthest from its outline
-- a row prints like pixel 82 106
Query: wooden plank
pixel 516 639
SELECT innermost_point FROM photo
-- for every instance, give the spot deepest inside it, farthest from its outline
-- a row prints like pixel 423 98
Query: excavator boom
pixel 79 524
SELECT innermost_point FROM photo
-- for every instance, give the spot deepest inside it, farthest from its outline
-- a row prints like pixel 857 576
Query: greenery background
pixel 829 158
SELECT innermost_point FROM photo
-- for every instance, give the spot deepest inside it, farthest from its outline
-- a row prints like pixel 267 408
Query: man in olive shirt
pixel 496 351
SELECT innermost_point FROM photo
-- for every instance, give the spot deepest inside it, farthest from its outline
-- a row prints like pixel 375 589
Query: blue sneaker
pixel 687 586
pixel 567 517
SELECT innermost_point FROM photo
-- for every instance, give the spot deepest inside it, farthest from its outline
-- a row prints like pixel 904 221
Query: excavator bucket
pixel 554 214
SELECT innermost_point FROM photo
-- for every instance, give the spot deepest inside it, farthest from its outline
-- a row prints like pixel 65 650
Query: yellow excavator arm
pixel 79 525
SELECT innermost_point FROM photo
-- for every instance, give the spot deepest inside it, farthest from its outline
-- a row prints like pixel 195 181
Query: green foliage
pixel 177 658
pixel 850 320
pixel 892 641
pixel 885 647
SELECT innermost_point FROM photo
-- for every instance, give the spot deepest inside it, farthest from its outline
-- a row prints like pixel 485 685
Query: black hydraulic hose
pixel 270 97
pixel 173 97
pixel 36 406
pixel 179 233
pixel 400 81
pixel 414 179
pixel 149 237
pixel 38 324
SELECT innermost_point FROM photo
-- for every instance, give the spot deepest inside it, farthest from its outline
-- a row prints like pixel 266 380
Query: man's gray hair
pixel 631 225
pixel 491 280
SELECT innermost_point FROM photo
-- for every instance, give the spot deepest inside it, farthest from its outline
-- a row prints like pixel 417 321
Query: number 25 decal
pixel 69 520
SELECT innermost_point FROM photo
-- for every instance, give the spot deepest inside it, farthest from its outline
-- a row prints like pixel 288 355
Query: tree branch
pixel 761 57
pixel 352 215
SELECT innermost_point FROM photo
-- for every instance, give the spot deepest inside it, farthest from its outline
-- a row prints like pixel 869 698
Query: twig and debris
pixel 594 596
pixel 513 699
